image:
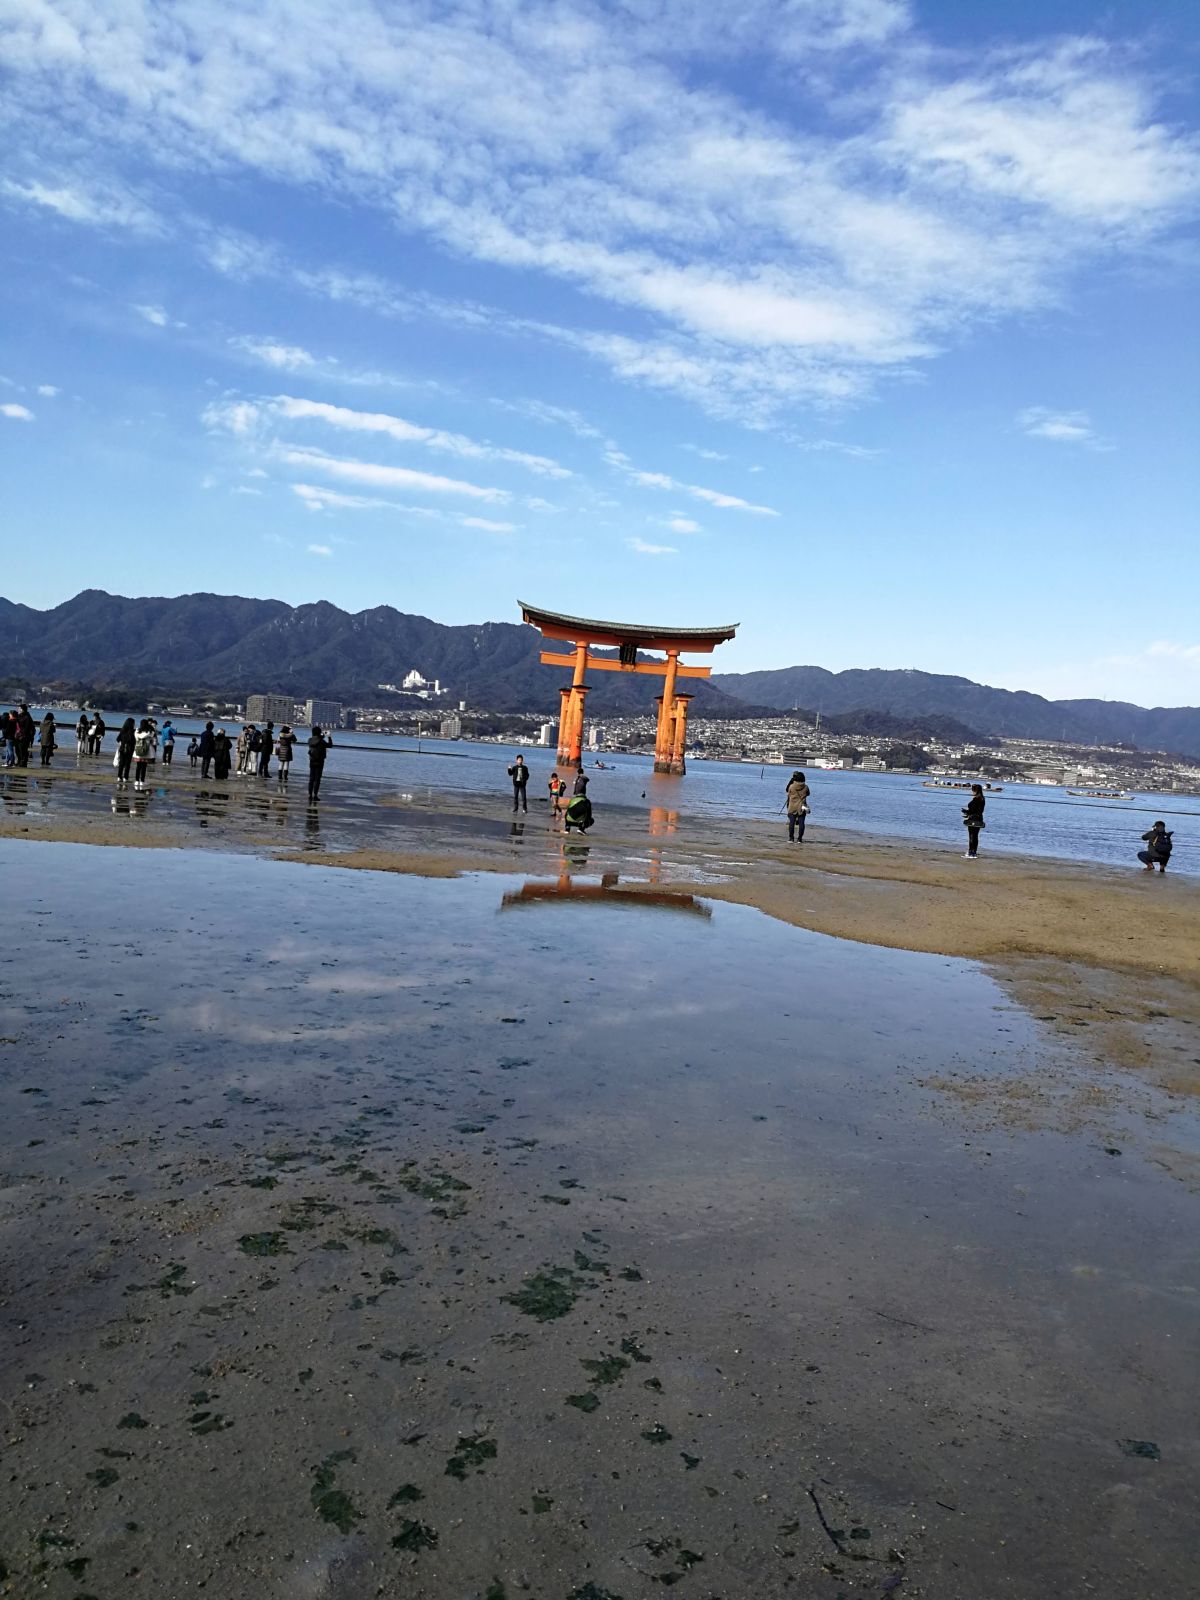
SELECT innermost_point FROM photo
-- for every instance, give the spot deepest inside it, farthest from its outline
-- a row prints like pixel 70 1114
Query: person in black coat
pixel 519 773
pixel 1158 848
pixel 208 746
pixel 973 819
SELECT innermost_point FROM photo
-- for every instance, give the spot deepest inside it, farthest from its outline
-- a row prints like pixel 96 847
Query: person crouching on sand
pixel 1158 848
pixel 973 820
pixel 797 806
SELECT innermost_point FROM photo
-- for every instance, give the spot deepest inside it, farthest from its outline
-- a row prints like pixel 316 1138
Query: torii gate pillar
pixel 670 741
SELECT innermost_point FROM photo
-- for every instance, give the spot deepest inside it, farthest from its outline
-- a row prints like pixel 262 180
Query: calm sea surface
pixel 1025 819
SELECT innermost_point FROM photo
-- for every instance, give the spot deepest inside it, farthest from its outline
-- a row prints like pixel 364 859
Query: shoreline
pixel 1107 957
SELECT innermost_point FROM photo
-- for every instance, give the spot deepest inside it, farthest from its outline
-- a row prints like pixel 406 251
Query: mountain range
pixel 231 646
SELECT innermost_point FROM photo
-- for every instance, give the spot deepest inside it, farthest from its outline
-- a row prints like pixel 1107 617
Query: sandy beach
pixel 580 1218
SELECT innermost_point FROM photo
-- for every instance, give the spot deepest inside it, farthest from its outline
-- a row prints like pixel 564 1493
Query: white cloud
pixel 234 416
pixel 385 477
pixel 101 206
pixel 272 353
pixel 15 412
pixel 48 390
pixel 318 499
pixel 557 416
pixel 319 550
pixel 244 488
pixel 709 455
pixel 770 261
pixel 342 417
pixel 1063 427
pixel 683 525
pixel 643 549
pixel 153 314
pixel 662 480
pixel 487 525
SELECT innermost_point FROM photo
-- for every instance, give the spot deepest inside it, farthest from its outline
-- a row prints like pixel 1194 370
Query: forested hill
pixel 227 645
pixel 1006 712
pixel 230 646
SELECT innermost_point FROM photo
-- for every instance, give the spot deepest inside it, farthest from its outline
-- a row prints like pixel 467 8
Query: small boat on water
pixel 968 783
pixel 1100 794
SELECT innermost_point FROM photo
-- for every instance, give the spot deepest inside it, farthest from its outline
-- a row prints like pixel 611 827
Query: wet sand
pixel 1111 956
pixel 364 1235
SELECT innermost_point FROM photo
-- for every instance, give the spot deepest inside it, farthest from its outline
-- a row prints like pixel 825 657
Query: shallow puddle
pixel 369 1235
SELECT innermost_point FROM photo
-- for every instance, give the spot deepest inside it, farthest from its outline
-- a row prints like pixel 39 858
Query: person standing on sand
pixel 207 746
pixel 8 733
pixel 581 782
pixel 96 734
pixel 284 748
pixel 317 746
pixel 519 773
pixel 222 754
pixel 973 820
pixel 81 734
pixel 797 806
pixel 1158 848
pixel 26 734
pixel 168 742
pixel 126 734
pixel 266 749
pixel 46 738
pixel 193 751
pixel 558 790
pixel 143 753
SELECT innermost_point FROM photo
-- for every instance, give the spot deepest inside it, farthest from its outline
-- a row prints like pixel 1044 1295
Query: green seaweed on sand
pixel 471 1451
pixel 541 1504
pixel 262 1183
pixel 415 1536
pixel 1145 1448
pixel 584 1402
pixel 383 1236
pixel 435 1184
pixel 405 1495
pixel 607 1369
pixel 263 1244
pixel 132 1420
pixel 590 1592
pixel 656 1435
pixel 168 1284
pixel 208 1422
pixel 630 1347
pixel 585 1264
pixel 329 1502
pixel 495 1591
pixel 104 1477
pixel 549 1294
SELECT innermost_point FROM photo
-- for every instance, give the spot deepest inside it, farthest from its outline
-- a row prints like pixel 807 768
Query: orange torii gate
pixel 627 639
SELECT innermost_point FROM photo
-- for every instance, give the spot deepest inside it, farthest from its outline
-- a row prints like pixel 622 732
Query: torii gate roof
pixel 558 625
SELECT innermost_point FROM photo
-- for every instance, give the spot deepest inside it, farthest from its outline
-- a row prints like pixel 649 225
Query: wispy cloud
pixel 101 205
pixel 15 412
pixel 155 315
pixel 663 480
pixel 487 525
pixel 768 264
pixel 319 550
pixel 48 391
pixel 641 548
pixel 318 499
pixel 683 525
pixel 380 476
pixel 1062 427
pixel 709 455
pixel 274 353
pixel 248 417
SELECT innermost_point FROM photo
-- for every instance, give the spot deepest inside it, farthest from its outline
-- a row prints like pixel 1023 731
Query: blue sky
pixel 868 324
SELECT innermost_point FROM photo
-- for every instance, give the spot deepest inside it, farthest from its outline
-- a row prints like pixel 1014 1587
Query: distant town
pixel 428 711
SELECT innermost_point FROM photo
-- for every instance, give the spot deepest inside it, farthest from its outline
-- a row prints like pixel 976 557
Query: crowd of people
pixel 575 812
pixel 140 743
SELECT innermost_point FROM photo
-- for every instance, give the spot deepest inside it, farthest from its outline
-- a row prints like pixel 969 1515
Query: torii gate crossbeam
pixel 628 639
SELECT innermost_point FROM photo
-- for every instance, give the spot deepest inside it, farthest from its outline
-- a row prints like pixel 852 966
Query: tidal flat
pixel 364 1234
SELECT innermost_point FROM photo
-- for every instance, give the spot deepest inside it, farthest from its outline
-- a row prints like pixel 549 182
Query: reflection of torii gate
pixel 627 638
